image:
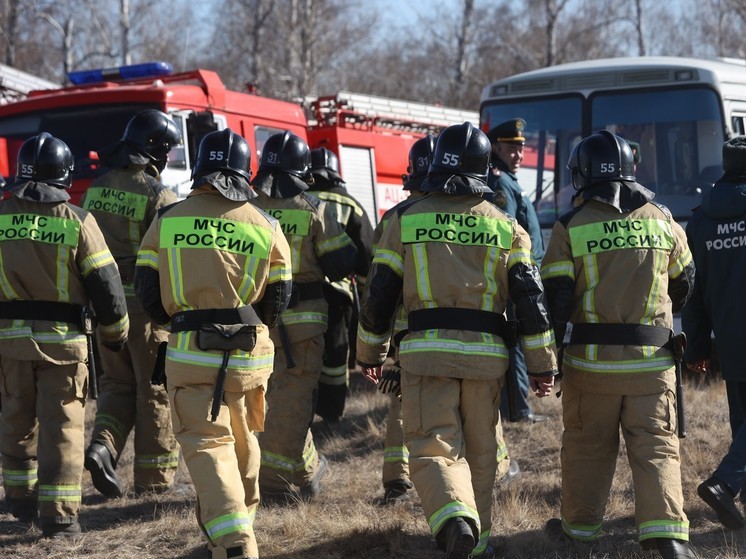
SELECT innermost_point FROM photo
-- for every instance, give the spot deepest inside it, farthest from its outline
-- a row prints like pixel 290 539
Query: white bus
pixel 678 110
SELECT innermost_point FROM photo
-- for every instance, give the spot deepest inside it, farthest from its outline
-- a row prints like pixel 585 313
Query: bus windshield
pixel 678 134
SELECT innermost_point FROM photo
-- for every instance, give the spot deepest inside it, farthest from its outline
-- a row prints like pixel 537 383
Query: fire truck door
pixel 357 166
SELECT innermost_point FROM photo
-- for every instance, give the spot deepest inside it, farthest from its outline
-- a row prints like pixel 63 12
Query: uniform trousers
pixel 590 444
pixel 289 456
pixel 395 453
pixel 223 460
pixel 128 400
pixel 42 435
pixel 450 430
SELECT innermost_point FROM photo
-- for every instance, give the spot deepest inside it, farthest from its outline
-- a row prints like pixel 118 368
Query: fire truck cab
pixel 370 135
pixel 92 114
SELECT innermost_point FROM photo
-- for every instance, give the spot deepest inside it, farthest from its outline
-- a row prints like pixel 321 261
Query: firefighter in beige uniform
pixel 617 267
pixel 395 469
pixel 218 269
pixel 455 259
pixel 124 201
pixel 53 262
pixel 319 247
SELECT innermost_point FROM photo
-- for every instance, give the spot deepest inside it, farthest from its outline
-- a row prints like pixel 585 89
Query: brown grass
pixel 348 522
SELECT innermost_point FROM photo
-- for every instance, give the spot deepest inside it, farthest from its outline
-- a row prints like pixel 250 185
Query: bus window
pixel 679 134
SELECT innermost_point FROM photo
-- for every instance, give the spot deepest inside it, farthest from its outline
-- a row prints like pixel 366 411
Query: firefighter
pixel 124 201
pixel 218 270
pixel 329 186
pixel 617 266
pixel 455 352
pixel 396 482
pixel 290 464
pixel 54 263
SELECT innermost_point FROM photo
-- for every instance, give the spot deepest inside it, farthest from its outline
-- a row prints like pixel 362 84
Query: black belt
pixel 620 334
pixel 42 310
pixel 193 320
pixel 305 292
pixel 473 320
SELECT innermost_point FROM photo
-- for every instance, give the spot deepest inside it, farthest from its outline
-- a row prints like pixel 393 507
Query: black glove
pixel 114 346
pixel 390 382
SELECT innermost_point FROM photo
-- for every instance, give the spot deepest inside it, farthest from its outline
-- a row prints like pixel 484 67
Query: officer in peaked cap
pixel 507 141
pixel 509 131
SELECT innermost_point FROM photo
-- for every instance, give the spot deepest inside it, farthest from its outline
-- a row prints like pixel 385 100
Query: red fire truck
pixel 371 135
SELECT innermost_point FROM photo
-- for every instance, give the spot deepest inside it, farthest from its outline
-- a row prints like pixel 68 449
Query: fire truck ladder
pixel 366 111
pixel 15 84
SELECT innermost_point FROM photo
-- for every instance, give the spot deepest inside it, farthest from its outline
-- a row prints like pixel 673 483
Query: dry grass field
pixel 348 522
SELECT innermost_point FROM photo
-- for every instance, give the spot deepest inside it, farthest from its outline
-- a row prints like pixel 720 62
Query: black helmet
pixel 288 153
pixel 601 157
pixel 223 151
pixel 462 149
pixel 152 133
pixel 420 157
pixel 47 159
pixel 324 162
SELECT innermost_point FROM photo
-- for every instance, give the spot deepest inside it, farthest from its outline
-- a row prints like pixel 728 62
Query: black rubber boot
pixel 100 463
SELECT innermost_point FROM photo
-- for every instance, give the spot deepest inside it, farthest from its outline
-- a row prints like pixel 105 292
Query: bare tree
pixel 639 27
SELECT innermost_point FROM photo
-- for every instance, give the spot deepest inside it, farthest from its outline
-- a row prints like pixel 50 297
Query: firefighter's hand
pixel 542 386
pixel 391 382
pixel 701 366
pixel 373 374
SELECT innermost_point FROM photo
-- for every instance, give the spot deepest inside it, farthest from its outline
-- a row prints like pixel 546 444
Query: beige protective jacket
pixel 124 202
pixel 208 252
pixel 319 248
pixel 55 252
pixel 454 252
pixel 617 265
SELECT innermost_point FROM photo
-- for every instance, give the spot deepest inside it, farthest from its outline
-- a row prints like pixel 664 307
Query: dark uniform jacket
pixel 717 236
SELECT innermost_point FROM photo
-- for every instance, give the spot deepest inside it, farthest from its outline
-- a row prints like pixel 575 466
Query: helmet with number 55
pixel 460 162
pixel 601 157
pixel 223 151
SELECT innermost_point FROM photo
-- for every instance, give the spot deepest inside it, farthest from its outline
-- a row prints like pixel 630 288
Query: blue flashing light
pixel 120 73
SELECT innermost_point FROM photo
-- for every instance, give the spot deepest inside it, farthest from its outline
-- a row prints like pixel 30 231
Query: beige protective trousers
pixel 44 464
pixel 590 444
pixel 395 453
pixel 223 461
pixel 128 400
pixel 450 430
pixel 289 457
